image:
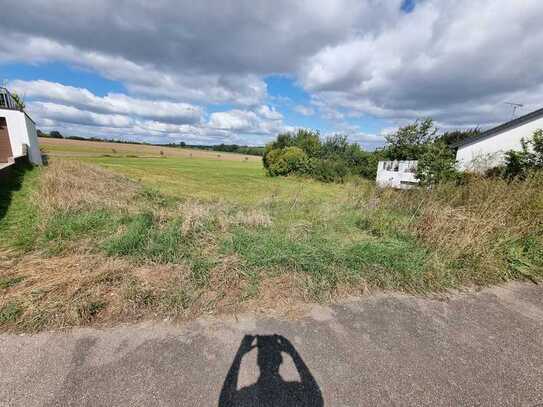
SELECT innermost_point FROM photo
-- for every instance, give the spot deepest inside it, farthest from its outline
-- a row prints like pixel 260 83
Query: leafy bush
pixel 330 160
pixel 286 161
pixel 328 170
pixel 436 164
pixel 519 163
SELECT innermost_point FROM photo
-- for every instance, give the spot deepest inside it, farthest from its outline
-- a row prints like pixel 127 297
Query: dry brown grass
pixel 81 289
pixel 479 213
pixel 473 222
pixel 95 148
pixel 197 215
pixel 253 217
pixel 71 185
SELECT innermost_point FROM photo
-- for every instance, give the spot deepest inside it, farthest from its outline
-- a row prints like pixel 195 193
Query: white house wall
pixel 34 154
pixel 490 152
pixel 22 131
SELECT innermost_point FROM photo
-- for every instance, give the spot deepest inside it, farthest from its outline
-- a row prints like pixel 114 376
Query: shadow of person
pixel 270 389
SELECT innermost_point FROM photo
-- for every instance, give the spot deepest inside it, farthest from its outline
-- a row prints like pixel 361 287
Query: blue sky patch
pixel 408 6
pixel 61 73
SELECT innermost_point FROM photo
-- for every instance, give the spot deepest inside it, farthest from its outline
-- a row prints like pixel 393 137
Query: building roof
pixel 7 102
pixel 519 121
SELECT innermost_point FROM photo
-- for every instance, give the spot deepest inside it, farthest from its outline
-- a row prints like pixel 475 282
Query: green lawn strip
pixel 18 212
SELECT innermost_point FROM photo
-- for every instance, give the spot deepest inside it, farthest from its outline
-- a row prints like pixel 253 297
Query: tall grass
pixel 480 229
pixel 105 248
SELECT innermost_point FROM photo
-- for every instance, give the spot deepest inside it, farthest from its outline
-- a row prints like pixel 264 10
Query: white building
pixel 397 174
pixel 18 137
pixel 489 148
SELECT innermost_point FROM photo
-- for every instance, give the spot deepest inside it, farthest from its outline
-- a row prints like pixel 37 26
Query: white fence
pixel 397 174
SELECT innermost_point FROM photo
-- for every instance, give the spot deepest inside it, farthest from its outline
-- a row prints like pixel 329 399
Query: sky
pixel 242 71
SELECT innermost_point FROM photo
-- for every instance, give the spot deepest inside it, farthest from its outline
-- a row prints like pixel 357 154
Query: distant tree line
pixel 229 148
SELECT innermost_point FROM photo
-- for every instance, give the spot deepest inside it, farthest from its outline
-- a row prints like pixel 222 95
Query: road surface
pixel 483 349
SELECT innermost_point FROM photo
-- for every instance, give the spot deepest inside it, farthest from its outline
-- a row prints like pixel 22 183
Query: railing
pixel 7 101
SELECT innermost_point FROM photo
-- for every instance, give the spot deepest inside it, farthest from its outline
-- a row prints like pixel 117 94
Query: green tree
pixel 55 134
pixel 410 142
pixel 455 136
pixel 308 140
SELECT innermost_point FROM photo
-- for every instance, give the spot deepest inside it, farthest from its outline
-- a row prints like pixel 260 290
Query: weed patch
pixel 10 312
pixel 10 281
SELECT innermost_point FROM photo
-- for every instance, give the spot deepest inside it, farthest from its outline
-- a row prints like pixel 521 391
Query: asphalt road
pixel 476 349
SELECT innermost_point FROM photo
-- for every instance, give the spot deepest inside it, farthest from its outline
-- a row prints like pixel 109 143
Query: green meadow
pixel 241 182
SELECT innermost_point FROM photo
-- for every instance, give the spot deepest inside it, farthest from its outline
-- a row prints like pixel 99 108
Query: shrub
pixel 436 164
pixel 328 170
pixel 519 163
pixel 307 140
pixel 286 161
pixel 330 160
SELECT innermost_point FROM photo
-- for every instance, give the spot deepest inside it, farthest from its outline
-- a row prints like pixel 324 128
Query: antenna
pixel 514 106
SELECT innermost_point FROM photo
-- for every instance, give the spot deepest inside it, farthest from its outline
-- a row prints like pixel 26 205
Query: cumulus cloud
pixel 263 121
pixel 83 99
pixel 457 61
pixel 57 106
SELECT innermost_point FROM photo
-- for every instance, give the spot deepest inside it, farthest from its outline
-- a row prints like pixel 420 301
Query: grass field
pixel 99 237
pixel 94 148
pixel 204 175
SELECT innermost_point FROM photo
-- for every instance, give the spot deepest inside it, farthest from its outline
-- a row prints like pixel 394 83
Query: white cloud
pixel 263 121
pixel 78 111
pixel 165 111
pixel 454 60
pixel 457 61
pixel 70 114
pixel 304 110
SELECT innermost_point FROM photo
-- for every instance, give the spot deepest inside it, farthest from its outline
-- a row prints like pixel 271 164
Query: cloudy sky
pixel 242 71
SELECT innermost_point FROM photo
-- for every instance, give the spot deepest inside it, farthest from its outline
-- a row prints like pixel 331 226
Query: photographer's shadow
pixel 270 389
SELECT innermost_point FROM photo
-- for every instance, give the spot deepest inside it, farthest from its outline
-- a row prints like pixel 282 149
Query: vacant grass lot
pixel 103 239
